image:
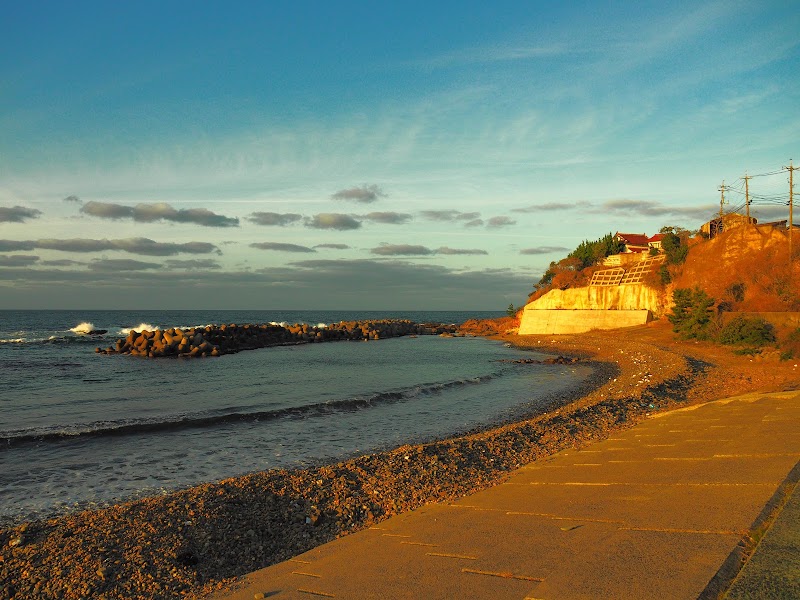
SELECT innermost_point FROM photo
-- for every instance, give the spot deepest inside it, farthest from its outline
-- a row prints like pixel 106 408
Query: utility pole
pixel 791 170
pixel 747 179
pixel 722 189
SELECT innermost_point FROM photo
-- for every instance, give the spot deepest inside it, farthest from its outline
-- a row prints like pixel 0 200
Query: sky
pixel 371 156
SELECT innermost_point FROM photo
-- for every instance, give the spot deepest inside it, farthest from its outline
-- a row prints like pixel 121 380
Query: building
pixel 730 221
pixel 634 242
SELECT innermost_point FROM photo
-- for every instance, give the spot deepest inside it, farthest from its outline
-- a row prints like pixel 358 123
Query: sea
pixel 83 430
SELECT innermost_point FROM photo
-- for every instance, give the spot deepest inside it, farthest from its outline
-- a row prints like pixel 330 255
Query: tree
pixel 692 313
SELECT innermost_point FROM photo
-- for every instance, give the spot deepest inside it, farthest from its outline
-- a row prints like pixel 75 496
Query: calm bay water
pixel 77 428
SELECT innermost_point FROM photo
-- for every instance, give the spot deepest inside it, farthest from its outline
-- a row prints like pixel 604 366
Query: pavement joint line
pixel 315 593
pixel 502 574
pixel 625 461
pixel 678 530
pixel 446 555
pixel 395 535
pixel 683 458
pixel 307 574
pixel 587 465
pixel 473 507
pixel 302 562
pixel 557 518
pixel 659 445
pixel 775 455
pixel 420 544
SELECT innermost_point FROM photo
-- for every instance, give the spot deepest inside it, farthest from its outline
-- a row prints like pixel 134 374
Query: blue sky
pixel 358 156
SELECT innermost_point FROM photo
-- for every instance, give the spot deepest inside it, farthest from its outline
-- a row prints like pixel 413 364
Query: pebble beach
pixel 198 540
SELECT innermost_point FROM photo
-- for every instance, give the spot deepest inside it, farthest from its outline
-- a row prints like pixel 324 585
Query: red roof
pixel 633 239
pixel 656 238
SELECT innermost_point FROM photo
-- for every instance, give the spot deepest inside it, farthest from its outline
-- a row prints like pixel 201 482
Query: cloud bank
pixel 274 219
pixel 336 221
pixel 161 211
pixel 281 247
pixel 143 246
pixel 18 214
pixel 365 194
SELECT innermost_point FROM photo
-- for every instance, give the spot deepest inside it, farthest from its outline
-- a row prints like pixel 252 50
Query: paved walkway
pixel 652 512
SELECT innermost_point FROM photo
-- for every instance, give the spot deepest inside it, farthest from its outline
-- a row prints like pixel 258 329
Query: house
pixel 654 241
pixel 634 242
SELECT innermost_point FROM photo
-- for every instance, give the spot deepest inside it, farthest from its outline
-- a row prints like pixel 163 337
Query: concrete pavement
pixel 654 511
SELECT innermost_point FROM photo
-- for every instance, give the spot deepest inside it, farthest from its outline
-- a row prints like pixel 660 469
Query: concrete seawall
pixel 544 321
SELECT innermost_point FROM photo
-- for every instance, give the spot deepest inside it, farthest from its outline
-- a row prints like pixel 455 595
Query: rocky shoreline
pixel 195 541
pixel 216 340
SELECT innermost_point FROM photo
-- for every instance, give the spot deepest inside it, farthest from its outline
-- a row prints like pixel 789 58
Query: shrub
pixel 692 313
pixel 743 331
pixel 675 244
pixel 790 345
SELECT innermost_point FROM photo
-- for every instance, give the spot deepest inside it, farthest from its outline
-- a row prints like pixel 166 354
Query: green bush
pixel 692 313
pixel 744 331
pixel 790 345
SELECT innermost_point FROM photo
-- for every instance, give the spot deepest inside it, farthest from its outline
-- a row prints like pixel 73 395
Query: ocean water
pixel 81 429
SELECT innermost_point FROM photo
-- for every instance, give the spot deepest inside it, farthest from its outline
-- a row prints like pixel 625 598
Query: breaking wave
pixel 83 328
pixel 9 439
pixel 137 328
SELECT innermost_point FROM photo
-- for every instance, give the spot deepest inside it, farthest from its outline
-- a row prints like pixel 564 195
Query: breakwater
pixel 216 340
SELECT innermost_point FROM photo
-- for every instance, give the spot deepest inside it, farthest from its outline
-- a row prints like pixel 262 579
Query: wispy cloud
pixel 160 211
pixel 62 262
pixel 333 246
pixel 197 264
pixel 401 250
pixel 550 206
pixel 492 54
pixel 543 250
pixel 449 215
pixel 18 214
pixel 73 199
pixel 474 223
pixel 17 260
pixel 651 208
pixel 332 221
pixel 113 265
pixel 364 194
pixel 143 246
pixel 391 218
pixel 274 219
pixel 459 251
pixel 281 247
pixel 502 221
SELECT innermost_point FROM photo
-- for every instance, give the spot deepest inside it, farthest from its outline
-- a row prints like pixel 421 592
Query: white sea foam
pixel 282 323
pixel 83 328
pixel 14 341
pixel 322 326
pixel 138 328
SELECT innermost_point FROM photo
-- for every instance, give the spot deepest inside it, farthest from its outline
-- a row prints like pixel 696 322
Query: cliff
pixel 620 297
